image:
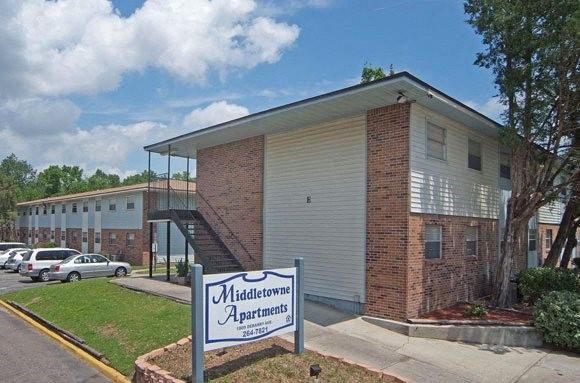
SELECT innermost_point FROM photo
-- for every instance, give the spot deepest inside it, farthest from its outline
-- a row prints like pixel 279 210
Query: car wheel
pixel 43 276
pixel 120 272
pixel 73 277
pixel 18 268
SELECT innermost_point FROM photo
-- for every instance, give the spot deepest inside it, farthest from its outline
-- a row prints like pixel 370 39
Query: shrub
pixel 182 268
pixel 476 310
pixel 534 283
pixel 557 316
pixel 44 245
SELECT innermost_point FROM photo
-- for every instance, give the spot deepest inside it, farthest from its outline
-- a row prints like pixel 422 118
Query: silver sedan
pixel 76 267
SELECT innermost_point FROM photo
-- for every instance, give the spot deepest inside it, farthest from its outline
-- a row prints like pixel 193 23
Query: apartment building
pixel 110 221
pixel 393 193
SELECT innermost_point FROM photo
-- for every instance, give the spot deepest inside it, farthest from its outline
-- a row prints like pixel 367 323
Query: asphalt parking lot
pixel 10 281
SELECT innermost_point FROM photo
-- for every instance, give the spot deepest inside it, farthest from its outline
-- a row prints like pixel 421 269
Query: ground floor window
pixel 52 235
pixel 97 237
pixel 112 238
pixel 548 239
pixel 63 235
pixel 433 235
pixel 130 239
pixel 471 235
pixel 532 239
pixel 85 237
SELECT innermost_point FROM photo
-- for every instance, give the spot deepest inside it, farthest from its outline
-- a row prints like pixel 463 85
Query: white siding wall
pixel 551 213
pixel 328 163
pixel 450 187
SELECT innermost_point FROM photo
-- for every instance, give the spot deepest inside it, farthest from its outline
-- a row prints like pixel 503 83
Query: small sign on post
pixel 237 308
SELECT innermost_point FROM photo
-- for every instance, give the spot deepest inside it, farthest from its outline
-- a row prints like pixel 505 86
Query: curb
pixel 109 372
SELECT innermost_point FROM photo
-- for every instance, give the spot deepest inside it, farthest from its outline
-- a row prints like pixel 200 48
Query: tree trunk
pixel 567 225
pixel 571 243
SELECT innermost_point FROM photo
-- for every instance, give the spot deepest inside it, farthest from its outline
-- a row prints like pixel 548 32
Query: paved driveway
pixel 29 356
pixel 10 281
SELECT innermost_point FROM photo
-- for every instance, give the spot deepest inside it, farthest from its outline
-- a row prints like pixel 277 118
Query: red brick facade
pixel 543 248
pixel 456 276
pixel 230 179
pixel 387 228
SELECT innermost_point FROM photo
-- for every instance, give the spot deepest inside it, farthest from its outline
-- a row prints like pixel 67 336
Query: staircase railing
pixel 163 196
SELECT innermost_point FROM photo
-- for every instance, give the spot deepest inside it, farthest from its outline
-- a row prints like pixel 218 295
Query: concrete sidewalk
pixel 414 359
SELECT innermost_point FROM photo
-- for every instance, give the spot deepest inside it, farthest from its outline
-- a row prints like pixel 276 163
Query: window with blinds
pixel 433 242
pixel 474 155
pixel 436 142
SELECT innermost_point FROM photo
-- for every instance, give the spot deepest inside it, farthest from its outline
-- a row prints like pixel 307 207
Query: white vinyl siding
pixel 314 205
pixel 450 187
pixel 551 213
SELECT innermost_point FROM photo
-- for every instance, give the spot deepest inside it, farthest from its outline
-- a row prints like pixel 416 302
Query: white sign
pixel 248 306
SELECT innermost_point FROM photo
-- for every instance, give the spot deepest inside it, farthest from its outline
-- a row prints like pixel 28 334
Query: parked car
pixel 76 267
pixel 36 264
pixel 5 255
pixel 15 261
pixel 10 245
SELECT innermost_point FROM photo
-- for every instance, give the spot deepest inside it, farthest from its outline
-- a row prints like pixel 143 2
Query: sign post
pixel 197 323
pixel 236 308
pixel 299 333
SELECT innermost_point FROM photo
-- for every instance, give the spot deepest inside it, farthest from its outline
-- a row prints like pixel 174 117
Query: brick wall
pixel 132 254
pixel 230 178
pixel 543 250
pixel 74 238
pixel 387 210
pixel 455 277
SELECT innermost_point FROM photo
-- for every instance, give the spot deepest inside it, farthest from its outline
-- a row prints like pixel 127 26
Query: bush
pixel 44 245
pixel 476 310
pixel 536 282
pixel 557 316
pixel 182 268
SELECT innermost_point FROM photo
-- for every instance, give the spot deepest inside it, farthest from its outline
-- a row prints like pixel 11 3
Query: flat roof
pixel 333 105
pixel 175 184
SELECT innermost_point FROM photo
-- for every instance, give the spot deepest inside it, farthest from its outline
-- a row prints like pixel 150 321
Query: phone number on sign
pixel 254 332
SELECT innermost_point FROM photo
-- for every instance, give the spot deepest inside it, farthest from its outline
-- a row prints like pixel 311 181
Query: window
pixel 548 239
pixel 95 258
pixel 112 238
pixel 505 164
pixel 30 211
pixel 52 209
pixel 474 155
pixel 85 237
pixel 63 235
pixel 130 202
pixel 24 213
pixel 97 237
pixel 112 205
pixel 37 210
pixel 98 205
pixel 532 237
pixel 44 210
pixel 471 235
pixel 432 241
pixel 63 208
pixel 52 235
pixel 74 236
pixel 130 239
pixel 436 142
pixel 85 207
pixel 74 208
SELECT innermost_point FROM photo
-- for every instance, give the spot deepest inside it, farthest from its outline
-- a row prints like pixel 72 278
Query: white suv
pixel 36 263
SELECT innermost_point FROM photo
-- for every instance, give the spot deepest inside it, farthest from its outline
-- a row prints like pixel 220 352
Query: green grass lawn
pixel 120 323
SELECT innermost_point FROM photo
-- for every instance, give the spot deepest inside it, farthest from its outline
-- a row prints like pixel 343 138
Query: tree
pixel 139 178
pixel 101 180
pixel 532 49
pixel 182 176
pixel 8 194
pixel 19 170
pixel 370 73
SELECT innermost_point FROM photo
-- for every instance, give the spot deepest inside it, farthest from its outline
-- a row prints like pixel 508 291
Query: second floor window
pixel 474 155
pixel 98 205
pixel 436 142
pixel 74 208
pixel 112 205
pixel 85 207
pixel 63 209
pixel 52 209
pixel 130 202
pixel 505 164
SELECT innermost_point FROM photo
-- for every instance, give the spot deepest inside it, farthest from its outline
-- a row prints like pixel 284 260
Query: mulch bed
pixel 457 312
pixel 270 360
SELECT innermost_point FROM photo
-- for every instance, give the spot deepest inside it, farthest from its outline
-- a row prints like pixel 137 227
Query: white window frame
pixel 551 237
pixel 85 206
pixel 75 208
pixel 445 143
pixel 97 237
pixel 440 227
pixel 130 199
pixel 85 237
pixel 480 143
pixel 476 228
pixel 97 205
pixel 502 153
pixel 130 243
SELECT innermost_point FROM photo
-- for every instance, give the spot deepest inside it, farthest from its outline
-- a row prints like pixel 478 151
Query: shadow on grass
pixel 242 362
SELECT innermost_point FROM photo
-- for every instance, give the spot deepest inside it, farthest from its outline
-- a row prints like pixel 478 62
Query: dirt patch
pixel 457 312
pixel 112 331
pixel 270 360
pixel 32 301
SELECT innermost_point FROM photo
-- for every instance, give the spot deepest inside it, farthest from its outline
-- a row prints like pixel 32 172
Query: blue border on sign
pixel 244 276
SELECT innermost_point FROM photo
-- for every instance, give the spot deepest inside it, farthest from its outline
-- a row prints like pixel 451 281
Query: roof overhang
pixel 329 106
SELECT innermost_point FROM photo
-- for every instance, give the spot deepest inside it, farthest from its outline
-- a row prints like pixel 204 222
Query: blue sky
pixel 318 46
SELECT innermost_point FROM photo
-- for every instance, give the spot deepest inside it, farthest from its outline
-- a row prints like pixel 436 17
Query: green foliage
pixel 536 282
pixel 182 268
pixel 138 178
pixel 370 73
pixel 8 194
pixel 476 310
pixel 183 176
pixel 557 316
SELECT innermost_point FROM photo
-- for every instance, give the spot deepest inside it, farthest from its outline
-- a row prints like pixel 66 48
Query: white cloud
pixel 492 108
pixel 78 46
pixel 212 114
pixel 30 116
